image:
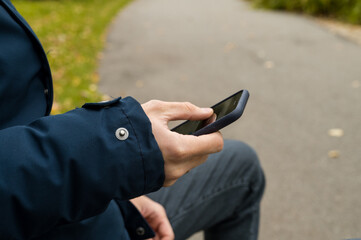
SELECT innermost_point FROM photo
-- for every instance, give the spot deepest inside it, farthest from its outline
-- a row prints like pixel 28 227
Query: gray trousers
pixel 221 197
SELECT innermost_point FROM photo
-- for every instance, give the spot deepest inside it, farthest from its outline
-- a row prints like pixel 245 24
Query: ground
pixel 304 113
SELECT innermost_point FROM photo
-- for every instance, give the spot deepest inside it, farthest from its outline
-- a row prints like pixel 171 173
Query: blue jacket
pixel 67 176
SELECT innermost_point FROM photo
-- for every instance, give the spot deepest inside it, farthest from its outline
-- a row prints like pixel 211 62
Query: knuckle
pixel 189 106
pixel 179 152
pixel 160 103
pixel 219 142
pixel 154 103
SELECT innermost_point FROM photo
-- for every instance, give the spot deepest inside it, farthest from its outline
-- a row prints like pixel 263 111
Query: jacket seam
pixel 138 143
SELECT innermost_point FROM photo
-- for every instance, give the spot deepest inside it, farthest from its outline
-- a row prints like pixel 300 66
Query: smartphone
pixel 225 113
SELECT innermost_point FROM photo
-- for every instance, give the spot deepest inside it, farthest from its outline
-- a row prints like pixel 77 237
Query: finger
pixel 165 230
pixel 202 145
pixel 167 238
pixel 210 120
pixel 186 111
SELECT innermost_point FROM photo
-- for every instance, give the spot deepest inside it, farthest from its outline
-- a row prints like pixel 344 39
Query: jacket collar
pixel 45 64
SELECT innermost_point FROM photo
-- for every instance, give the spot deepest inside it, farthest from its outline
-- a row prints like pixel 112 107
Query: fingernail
pixel 207 110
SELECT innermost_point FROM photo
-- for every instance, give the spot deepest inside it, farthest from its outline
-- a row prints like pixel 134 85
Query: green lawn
pixel 345 10
pixel 72 33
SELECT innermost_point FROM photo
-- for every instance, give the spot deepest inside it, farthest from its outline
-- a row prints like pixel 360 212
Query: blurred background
pixel 300 60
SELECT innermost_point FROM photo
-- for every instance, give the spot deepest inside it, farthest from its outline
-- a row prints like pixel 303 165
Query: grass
pixel 345 10
pixel 73 34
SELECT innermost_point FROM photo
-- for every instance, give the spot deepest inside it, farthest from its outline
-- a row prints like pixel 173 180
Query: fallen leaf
pixel 183 78
pixel 62 37
pixel 229 47
pixel 269 65
pixel 100 55
pixel 93 87
pixel 76 81
pixel 336 132
pixel 139 84
pixel 356 84
pixel 334 154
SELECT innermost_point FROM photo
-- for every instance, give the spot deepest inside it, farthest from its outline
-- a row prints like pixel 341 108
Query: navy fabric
pixel 66 176
pixel 23 62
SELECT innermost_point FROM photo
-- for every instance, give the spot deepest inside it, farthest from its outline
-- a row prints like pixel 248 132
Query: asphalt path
pixel 303 80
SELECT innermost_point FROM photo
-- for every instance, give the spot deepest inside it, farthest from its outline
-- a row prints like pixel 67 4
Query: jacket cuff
pixel 137 227
pixel 146 164
pixel 152 158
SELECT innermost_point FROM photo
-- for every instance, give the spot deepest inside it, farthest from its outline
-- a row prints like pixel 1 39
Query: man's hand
pixel 156 217
pixel 181 153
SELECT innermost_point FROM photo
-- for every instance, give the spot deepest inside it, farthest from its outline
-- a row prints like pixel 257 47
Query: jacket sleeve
pixel 65 168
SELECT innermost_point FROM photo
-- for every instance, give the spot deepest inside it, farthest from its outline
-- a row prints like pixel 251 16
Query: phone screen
pixel 220 110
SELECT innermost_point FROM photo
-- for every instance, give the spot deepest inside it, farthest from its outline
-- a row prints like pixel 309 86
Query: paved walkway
pixel 303 82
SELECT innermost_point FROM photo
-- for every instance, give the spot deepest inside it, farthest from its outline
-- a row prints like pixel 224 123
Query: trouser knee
pixel 245 159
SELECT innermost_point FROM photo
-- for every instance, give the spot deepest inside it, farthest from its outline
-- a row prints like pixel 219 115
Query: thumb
pixel 187 111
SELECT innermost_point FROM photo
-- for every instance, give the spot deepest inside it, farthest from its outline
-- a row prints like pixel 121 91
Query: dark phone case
pixel 225 120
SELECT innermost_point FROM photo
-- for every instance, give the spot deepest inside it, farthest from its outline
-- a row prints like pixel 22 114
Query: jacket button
pixel 122 134
pixel 140 231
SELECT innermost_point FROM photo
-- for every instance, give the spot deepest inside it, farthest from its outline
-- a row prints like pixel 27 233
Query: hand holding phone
pixel 225 113
pixel 180 152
